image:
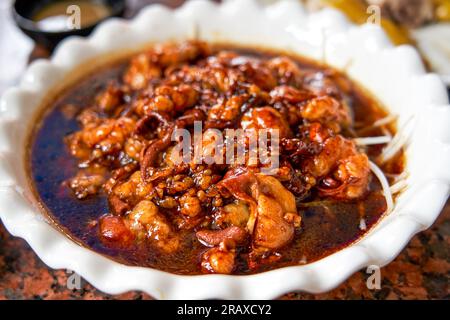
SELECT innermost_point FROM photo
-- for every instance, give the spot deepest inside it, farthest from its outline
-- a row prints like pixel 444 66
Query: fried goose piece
pixel 323 109
pixel 190 205
pixel 272 231
pixel 333 149
pixel 151 153
pixel 276 214
pixel 266 118
pixel 352 175
pixel 112 132
pixel 173 54
pixel 233 214
pixel 115 230
pixel 84 184
pixel 221 257
pixel 343 171
pixel 310 142
pixel 118 206
pixel 273 212
pixel 256 72
pixel 166 126
pixel 96 142
pixel 321 83
pixel 295 149
pixel 110 98
pixel 286 70
pixel 146 222
pixel 240 182
pixel 152 121
pixel 273 218
pixel 215 237
pixel 149 66
pixel 316 132
pixel 141 71
pixel 211 80
pixel 189 117
pixel 167 99
pixel 328 111
pixel 293 179
pixel 222 59
pixel 251 70
pixel 89 118
pixel 220 79
pixel 290 94
pixel 133 189
pixel 118 176
pixel 182 96
pixel 218 260
pixel 133 146
pixel 226 110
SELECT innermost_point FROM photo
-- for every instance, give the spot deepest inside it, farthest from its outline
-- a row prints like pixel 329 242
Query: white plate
pixel 394 75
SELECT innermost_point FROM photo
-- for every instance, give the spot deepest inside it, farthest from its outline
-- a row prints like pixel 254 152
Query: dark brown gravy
pixel 325 228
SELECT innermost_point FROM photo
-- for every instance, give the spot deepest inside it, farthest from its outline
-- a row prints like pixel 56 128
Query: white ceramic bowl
pixel 395 75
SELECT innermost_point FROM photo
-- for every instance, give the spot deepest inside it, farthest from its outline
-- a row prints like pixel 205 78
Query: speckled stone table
pixel 421 271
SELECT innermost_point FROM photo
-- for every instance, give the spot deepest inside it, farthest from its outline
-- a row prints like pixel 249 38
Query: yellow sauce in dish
pixel 54 16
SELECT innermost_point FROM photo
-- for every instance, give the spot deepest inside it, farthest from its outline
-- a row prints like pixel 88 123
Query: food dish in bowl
pixel 362 52
pixel 209 212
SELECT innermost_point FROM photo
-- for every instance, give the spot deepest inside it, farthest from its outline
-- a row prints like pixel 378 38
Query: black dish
pixel 24 10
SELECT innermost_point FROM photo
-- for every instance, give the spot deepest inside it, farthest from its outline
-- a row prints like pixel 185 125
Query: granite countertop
pixel 421 271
